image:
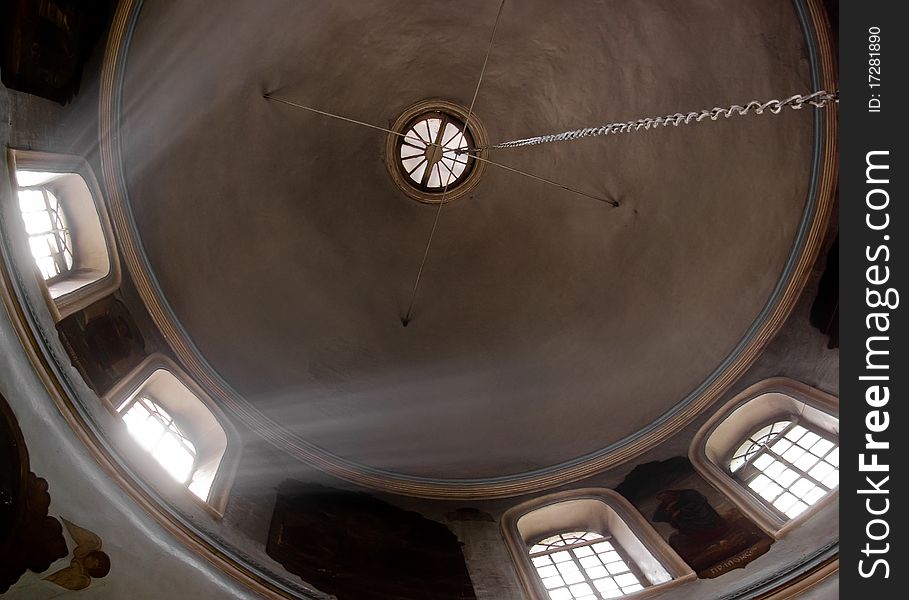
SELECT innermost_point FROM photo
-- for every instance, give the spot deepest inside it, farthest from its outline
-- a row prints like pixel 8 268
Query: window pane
pixel 48 234
pixel 575 560
pixel 32 178
pixel 790 473
pixel 155 431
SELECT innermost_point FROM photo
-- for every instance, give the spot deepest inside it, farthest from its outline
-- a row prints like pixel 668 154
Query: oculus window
pixel 428 166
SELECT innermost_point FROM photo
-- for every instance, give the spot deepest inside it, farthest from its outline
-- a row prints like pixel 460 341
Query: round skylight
pixel 433 151
pixel 433 155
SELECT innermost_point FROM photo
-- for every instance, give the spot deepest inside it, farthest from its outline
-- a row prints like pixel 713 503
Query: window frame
pixel 775 399
pixel 170 427
pixel 552 514
pixel 765 449
pixel 62 219
pixel 633 568
pixel 75 208
pixel 124 394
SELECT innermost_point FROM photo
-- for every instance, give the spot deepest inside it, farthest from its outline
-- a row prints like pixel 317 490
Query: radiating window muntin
pixel 157 433
pixel 789 466
pixel 49 235
pixel 584 565
pixel 416 158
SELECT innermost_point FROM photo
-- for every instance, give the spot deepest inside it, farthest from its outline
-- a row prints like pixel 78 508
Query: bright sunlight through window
pixel 159 435
pixel 429 166
pixel 583 565
pixel 45 223
pixel 788 466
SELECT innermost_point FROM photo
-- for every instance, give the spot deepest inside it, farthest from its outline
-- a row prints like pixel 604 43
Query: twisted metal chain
pixel 818 99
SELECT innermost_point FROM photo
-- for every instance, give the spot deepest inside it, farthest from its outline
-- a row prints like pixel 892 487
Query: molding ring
pixel 810 237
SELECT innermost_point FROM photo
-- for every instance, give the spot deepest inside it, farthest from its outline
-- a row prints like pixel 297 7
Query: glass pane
pixel 155 431
pixel 796 433
pixel 796 509
pixel 32 178
pixel 560 594
pixel 581 589
pixel 49 239
pixel 809 439
pixel 448 138
pixel 434 125
pixel 781 480
pixel 37 222
pixel 409 151
pixel 411 138
pixel 422 130
pixel 435 180
pixel 411 163
pixel 417 175
pixel 822 447
pixel 174 457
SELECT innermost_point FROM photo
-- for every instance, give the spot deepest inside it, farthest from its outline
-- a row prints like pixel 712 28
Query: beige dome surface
pixel 548 326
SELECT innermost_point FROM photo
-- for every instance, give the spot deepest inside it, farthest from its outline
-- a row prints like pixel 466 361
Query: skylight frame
pixel 448 131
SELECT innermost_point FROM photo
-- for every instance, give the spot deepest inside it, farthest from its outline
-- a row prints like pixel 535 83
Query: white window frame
pixel 96 270
pixel 217 442
pixel 602 511
pixel 776 399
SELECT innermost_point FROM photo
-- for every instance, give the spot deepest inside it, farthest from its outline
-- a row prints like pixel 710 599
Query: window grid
pixel 155 430
pixel 584 566
pixel 441 130
pixel 49 236
pixel 789 466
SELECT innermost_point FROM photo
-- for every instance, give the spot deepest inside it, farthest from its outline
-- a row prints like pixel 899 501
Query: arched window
pixel 160 436
pixel 789 466
pixel 66 228
pixel 589 544
pixel 49 237
pixel 583 565
pixel 774 450
pixel 171 419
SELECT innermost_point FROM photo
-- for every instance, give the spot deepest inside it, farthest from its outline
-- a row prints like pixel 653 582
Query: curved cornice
pixel 808 242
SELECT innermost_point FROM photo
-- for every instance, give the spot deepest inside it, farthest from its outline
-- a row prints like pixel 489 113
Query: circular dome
pixel 432 156
pixel 551 333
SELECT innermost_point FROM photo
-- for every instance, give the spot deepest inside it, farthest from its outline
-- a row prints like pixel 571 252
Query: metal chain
pixel 818 99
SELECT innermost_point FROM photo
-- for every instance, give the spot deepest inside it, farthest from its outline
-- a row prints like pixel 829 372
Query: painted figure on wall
pixel 88 560
pixel 701 524
pixel 30 539
pixel 104 343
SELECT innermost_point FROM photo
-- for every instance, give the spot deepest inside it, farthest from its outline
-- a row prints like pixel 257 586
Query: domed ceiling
pixel 548 326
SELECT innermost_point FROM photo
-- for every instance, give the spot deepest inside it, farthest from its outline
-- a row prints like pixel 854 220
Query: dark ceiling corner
pixel 45 43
